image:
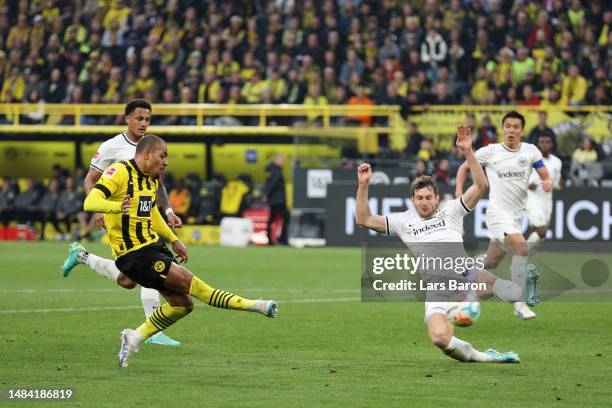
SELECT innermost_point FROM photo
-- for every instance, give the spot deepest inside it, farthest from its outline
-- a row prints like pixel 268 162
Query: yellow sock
pixel 218 298
pixel 162 318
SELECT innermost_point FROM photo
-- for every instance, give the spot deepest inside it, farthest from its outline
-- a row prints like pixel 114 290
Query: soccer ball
pixel 463 314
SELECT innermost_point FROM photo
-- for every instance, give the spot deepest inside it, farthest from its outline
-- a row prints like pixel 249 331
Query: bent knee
pixel 441 340
pixel 125 282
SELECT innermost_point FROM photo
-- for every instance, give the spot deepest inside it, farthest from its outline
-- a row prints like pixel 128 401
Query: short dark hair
pixel 545 134
pixel 515 115
pixel 422 182
pixel 148 142
pixel 137 103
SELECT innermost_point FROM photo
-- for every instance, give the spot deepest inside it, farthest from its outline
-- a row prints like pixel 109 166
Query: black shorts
pixel 147 266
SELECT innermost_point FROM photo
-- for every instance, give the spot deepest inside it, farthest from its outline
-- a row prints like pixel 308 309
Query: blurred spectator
pixel 48 207
pixel 180 200
pixel 426 150
pixel 360 99
pixel 574 87
pixel 585 170
pixel 26 203
pixel 414 139
pixel 542 128
pixel 274 192
pixel 8 193
pixel 420 168
pixel 487 133
pixel 70 209
pixel 585 153
pixel 314 99
pixel 441 174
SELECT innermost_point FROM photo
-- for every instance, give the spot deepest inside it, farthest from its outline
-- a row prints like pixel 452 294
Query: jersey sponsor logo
pixel 429 228
pixel 522 161
pixel 511 174
pixel 144 206
pixel 159 266
pixel 110 172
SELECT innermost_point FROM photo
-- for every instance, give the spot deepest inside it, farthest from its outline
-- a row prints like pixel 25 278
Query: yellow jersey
pixel 142 224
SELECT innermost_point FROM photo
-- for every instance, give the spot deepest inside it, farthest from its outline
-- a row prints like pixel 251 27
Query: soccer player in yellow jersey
pixel 126 195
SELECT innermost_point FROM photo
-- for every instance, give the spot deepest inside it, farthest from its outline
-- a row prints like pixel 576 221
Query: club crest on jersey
pixel 110 172
pixel 522 161
pixel 159 266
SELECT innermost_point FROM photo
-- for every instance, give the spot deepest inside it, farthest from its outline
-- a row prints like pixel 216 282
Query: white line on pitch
pixel 110 308
pixel 103 290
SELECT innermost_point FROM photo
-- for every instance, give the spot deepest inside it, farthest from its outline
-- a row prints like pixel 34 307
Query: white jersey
pixel 446 225
pixel 554 166
pixel 440 236
pixel 508 172
pixel 113 150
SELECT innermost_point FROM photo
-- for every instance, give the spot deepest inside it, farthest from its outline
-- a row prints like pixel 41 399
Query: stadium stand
pixel 549 53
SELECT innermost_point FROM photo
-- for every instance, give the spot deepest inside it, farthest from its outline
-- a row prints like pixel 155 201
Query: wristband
pixel 169 210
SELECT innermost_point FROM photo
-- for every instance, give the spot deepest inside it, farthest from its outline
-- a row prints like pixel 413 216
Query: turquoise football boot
pixel 509 357
pixel 162 339
pixel 73 258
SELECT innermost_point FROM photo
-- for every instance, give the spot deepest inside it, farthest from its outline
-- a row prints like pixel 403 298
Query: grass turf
pixel 326 349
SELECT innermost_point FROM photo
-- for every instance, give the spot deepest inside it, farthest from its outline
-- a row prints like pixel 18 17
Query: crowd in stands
pixel 548 52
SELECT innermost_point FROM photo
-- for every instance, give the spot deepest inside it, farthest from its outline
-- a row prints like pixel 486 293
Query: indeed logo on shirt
pixel 430 227
pixel 511 174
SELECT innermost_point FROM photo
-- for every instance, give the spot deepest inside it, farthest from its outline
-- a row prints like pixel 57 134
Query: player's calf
pixel 440 332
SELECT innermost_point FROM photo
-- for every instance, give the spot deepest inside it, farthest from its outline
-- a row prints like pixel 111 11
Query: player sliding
pixel 126 195
pixel 508 166
pixel 122 147
pixel 445 224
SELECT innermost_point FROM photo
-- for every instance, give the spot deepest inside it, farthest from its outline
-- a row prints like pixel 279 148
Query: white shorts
pixel 499 225
pixel 539 211
pixel 437 307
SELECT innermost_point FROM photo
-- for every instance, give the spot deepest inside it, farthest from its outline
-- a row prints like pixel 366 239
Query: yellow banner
pixel 234 159
pixel 35 159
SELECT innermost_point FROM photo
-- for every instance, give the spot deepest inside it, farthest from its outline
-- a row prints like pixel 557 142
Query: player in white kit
pixel 508 166
pixel 122 147
pixel 540 202
pixel 433 224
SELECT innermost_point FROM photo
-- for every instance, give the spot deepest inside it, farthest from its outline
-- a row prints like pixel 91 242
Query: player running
pixel 122 147
pixel 540 202
pixel 508 166
pixel 126 194
pixel 436 224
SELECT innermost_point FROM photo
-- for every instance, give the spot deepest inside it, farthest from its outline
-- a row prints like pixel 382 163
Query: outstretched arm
pixel 460 180
pixel 363 215
pixel 480 184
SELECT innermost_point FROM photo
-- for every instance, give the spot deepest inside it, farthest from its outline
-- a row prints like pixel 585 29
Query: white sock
pixel 463 351
pixel 534 242
pixel 517 269
pixel 150 300
pixel 507 291
pixel 104 267
pixel 136 337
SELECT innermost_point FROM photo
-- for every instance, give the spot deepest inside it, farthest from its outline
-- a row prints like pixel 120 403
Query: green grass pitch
pixel 327 348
